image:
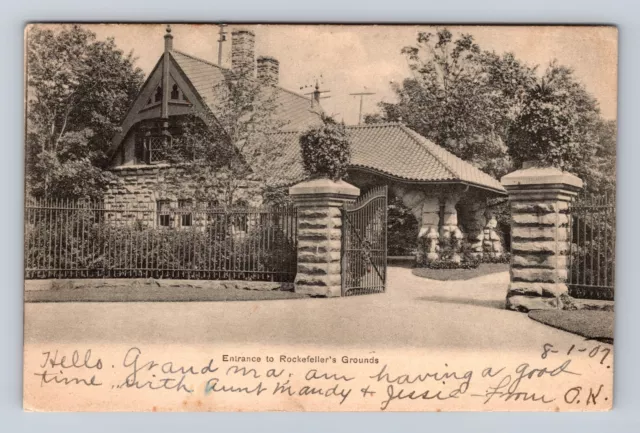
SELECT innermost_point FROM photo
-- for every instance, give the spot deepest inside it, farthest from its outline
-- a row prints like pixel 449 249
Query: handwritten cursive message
pixel 553 378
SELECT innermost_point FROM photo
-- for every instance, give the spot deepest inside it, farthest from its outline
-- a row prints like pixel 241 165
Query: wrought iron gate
pixel 364 244
pixel 593 247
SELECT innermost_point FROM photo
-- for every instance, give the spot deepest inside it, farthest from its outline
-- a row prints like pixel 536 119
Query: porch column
pixel 320 234
pixel 539 199
pixel 492 242
pixel 451 234
pixel 474 221
pixel 429 223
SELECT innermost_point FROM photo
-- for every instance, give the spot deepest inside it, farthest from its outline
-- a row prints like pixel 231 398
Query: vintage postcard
pixel 226 217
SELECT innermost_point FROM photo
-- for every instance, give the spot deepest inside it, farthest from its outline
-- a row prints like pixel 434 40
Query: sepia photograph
pixel 319 217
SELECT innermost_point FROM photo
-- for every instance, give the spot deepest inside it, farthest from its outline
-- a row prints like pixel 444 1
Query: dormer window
pixel 175 93
pixel 158 96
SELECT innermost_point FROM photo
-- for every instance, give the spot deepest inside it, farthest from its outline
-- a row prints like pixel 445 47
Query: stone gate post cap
pixel 325 186
pixel 541 176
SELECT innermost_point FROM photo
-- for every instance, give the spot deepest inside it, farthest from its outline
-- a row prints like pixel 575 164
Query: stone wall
pixel 141 187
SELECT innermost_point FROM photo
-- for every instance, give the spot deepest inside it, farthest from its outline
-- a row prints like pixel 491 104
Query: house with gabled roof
pixel 446 195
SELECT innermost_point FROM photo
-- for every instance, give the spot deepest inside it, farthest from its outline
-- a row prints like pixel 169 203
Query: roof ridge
pixel 376 125
pixel 430 146
pixel 422 144
pixel 290 131
pixel 191 56
pixel 292 92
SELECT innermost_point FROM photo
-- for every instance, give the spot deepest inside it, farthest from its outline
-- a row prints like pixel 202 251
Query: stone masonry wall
pixel 319 243
pixel 540 251
pixel 539 200
pixel 319 204
pixel 139 188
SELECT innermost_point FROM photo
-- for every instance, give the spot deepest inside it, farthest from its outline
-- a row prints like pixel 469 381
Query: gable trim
pixel 118 139
pixel 140 106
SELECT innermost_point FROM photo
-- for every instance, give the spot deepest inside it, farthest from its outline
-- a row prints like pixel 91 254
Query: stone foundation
pixel 319 204
pixel 539 200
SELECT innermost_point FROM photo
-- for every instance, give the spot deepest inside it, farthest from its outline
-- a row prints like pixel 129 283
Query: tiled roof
pixel 293 110
pixel 394 150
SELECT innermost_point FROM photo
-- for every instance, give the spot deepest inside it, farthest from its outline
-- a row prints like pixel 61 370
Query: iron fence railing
pixel 80 239
pixel 592 240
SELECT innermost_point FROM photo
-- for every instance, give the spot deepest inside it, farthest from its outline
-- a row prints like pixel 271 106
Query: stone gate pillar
pixel 539 199
pixel 320 234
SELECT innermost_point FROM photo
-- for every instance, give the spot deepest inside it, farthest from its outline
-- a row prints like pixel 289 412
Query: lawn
pixel 461 274
pixel 595 325
pixel 151 291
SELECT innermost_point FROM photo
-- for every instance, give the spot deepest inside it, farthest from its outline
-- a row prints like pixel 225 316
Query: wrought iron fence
pixel 71 239
pixel 592 247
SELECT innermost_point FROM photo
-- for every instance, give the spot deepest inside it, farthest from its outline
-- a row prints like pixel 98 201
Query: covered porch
pixel 452 219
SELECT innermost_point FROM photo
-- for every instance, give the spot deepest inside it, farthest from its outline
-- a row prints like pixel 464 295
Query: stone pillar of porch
pixel 319 203
pixel 451 234
pixel 491 240
pixel 474 222
pixel 428 234
pixel 539 200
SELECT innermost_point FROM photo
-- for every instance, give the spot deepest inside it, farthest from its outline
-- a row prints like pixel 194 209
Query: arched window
pixel 175 94
pixel 158 96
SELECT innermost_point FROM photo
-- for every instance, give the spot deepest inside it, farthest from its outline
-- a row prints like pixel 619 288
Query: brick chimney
pixel 268 70
pixel 242 52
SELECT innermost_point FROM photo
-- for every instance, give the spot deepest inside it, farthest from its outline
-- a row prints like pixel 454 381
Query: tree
pixel 325 150
pixel 460 97
pixel 78 91
pixel 600 173
pixel 560 125
pixel 233 144
pixel 496 112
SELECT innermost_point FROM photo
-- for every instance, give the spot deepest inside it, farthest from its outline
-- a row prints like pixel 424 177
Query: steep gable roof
pixel 393 149
pixel 294 111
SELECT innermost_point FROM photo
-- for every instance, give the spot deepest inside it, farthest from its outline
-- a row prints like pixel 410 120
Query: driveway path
pixel 415 312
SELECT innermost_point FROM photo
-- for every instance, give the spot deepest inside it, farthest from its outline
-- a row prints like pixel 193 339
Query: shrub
pixel 448 264
pixel 504 258
pixel 325 150
pixel 83 245
pixel 276 196
pixel 402 229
